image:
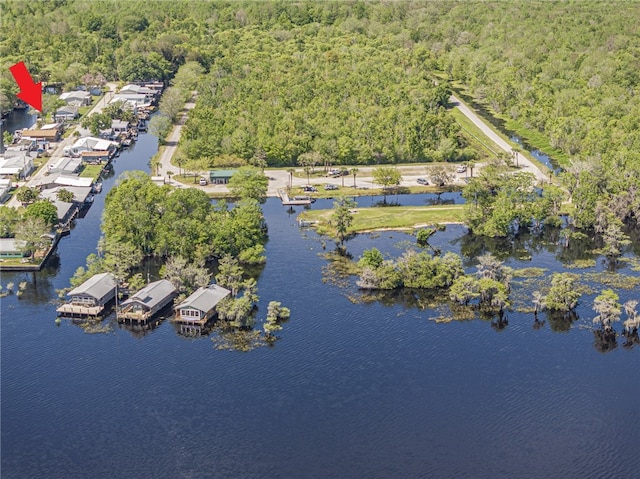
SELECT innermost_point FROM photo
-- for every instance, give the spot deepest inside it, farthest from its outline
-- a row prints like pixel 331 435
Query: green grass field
pixel 392 217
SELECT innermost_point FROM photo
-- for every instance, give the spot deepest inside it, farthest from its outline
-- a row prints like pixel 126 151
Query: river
pixel 350 390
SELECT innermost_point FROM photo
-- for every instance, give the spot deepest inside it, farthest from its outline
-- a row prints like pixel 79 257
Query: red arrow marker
pixel 30 92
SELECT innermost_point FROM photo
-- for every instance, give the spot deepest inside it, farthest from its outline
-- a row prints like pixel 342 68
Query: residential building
pixel 148 301
pixel 201 305
pixel 91 297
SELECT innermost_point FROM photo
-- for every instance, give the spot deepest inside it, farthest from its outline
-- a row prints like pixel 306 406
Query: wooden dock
pixel 70 310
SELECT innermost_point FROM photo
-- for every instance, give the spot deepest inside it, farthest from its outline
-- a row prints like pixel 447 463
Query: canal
pixel 374 389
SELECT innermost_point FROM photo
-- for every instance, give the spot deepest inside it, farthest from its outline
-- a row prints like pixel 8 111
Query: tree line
pixel 364 82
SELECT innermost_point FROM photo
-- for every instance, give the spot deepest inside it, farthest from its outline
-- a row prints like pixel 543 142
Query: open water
pixel 350 390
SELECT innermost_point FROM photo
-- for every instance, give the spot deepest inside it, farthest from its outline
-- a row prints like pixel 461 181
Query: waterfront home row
pixel 92 297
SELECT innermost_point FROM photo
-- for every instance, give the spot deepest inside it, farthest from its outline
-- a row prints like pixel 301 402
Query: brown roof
pixel 52 133
pixel 95 153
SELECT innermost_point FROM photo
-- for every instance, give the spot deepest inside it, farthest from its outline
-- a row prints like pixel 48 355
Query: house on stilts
pixel 200 307
pixel 91 298
pixel 144 304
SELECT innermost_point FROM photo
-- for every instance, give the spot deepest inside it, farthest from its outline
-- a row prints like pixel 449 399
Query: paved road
pixel 279 179
pixel 70 139
pixel 164 165
pixel 502 144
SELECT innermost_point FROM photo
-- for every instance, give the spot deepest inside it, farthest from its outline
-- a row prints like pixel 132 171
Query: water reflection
pixel 561 322
pixel 604 341
pixel 35 287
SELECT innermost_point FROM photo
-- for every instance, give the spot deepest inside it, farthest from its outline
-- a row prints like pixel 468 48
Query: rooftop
pixel 152 294
pixel 97 286
pixel 205 299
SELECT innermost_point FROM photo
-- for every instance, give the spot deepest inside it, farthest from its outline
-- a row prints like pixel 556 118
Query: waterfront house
pixel 67 211
pixel 43 134
pixel 148 301
pixel 51 181
pixel 94 157
pixel 11 248
pixel 66 113
pixel 201 305
pixel 221 177
pixel 131 98
pixel 90 143
pixel 91 297
pixel 119 126
pixel 156 86
pixel 65 165
pixel 76 98
pixel 150 93
pixel 15 163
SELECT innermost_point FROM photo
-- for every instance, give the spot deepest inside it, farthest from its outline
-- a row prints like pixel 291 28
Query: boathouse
pixel 201 305
pixel 148 301
pixel 91 297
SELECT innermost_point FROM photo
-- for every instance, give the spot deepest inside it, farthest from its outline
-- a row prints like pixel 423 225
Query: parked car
pixel 309 189
pixel 203 182
pixel 422 181
pixel 461 169
pixel 329 186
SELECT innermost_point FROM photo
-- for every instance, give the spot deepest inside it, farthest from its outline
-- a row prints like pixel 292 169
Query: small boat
pixel 89 199
pixel 126 142
pixel 97 188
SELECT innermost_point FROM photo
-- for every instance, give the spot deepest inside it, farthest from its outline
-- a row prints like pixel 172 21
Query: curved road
pixel 279 179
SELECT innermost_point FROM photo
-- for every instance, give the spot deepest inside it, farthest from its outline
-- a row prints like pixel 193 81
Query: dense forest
pixel 365 82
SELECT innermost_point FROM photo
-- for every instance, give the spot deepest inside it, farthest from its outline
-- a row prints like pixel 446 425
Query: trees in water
pixel 342 217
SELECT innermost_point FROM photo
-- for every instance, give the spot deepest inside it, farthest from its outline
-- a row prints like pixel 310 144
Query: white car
pixel 461 169
pixel 203 182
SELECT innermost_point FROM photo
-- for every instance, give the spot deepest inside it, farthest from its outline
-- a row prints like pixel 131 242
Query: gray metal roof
pixel 152 294
pixel 97 286
pixel 205 299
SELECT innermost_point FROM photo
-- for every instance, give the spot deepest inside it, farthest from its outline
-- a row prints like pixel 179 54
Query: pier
pixel 296 201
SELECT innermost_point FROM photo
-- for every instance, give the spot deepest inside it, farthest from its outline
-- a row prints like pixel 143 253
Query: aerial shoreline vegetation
pixel 278 81
pixel 298 84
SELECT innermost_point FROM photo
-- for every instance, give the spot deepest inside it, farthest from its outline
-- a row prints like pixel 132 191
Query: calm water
pixel 376 390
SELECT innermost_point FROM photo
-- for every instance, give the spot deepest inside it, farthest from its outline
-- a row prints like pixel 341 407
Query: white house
pixel 137 99
pixel 149 93
pixel 90 143
pixel 65 165
pixel 52 181
pixel 16 163
pixel 76 98
pixel 66 113
pixel 119 126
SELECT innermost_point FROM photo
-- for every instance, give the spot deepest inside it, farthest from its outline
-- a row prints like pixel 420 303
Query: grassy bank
pixel 476 138
pixel 392 217
pixel 350 191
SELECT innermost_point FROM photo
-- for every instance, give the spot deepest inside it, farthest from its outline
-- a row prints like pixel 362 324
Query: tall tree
pixel 386 176
pixel 342 217
pixel 32 231
pixel 249 183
